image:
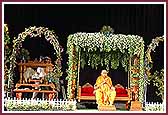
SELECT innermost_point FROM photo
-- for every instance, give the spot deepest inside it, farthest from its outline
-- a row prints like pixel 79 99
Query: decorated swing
pixel 53 75
pixel 106 49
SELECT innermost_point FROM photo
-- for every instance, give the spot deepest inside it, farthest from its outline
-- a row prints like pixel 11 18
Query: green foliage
pixel 148 60
pixel 23 54
pixel 39 106
pixel 106 30
pixel 72 69
pixel 6 35
pixel 53 76
pixel 151 47
pixel 108 59
pixel 7 43
pixel 158 80
pixel 141 74
pixel 7 54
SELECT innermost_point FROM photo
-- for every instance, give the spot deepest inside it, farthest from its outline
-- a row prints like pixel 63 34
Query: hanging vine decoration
pixel 7 40
pixel 101 49
pixel 50 36
pixel 7 52
pixel 156 77
pixel 141 74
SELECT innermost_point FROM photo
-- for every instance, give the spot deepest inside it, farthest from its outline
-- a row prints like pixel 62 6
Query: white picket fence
pixel 13 104
pixel 154 106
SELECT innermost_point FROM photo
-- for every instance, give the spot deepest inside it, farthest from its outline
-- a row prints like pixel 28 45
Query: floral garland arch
pixel 151 47
pixel 17 44
pixel 90 43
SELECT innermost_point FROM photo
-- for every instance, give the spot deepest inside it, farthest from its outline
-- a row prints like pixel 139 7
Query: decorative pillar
pixel 73 88
pixel 135 103
pixel 78 73
pixel 73 75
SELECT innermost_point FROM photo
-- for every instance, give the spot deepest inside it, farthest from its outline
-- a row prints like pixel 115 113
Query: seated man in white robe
pixel 38 75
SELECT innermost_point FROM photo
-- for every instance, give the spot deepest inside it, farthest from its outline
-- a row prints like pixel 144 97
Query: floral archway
pixel 50 36
pixel 105 49
pixel 156 77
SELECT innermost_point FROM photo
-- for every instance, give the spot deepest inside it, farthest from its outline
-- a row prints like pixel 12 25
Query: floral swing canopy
pixel 101 49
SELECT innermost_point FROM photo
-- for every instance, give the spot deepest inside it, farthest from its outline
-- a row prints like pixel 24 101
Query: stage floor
pixel 96 111
pixel 91 106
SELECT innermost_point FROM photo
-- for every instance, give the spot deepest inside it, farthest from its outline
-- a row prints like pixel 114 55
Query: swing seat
pixel 86 92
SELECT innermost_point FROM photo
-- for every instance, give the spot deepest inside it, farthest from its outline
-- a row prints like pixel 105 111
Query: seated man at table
pixel 105 92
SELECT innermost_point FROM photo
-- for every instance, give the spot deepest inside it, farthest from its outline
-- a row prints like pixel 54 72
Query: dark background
pixel 143 20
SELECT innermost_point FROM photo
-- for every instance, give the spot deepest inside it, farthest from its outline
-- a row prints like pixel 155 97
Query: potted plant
pixel 23 54
pixel 52 77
